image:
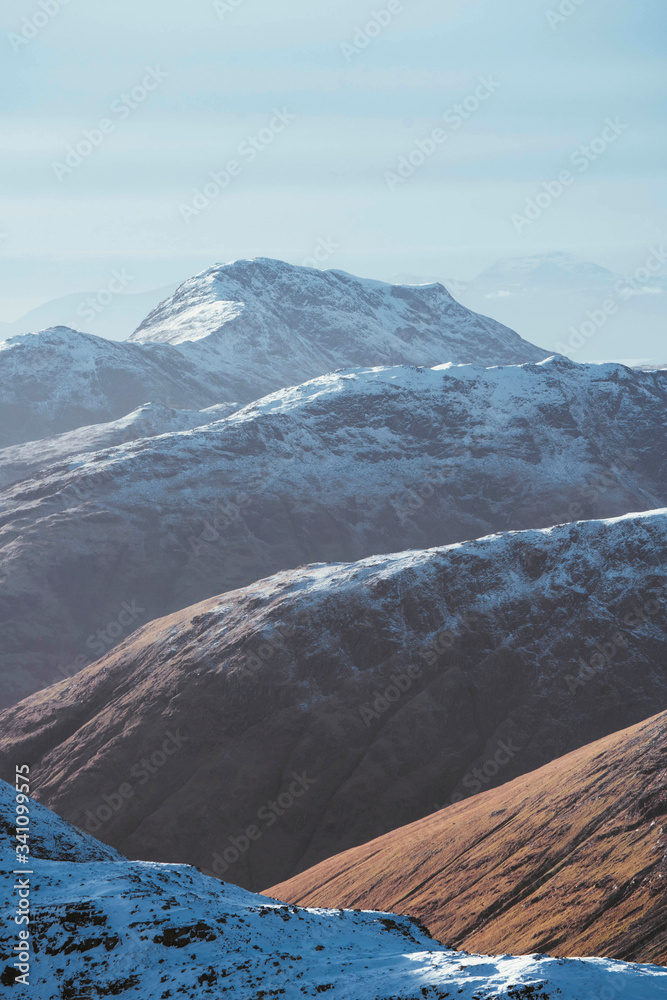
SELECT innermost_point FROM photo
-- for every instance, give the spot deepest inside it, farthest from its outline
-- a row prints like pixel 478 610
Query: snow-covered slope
pixel 58 379
pixel 21 461
pixel 112 927
pixel 378 686
pixel 269 324
pixel 347 465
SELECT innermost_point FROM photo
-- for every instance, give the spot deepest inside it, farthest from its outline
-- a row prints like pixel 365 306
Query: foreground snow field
pixel 104 926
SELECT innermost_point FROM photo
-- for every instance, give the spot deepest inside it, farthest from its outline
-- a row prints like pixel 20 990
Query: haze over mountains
pixel 576 307
pixel 115 927
pixel 102 312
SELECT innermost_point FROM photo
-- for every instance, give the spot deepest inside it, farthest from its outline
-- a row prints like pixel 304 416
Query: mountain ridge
pixel 351 463
pixel 377 686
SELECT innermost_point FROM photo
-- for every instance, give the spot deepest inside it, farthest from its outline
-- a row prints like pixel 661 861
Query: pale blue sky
pixel 323 176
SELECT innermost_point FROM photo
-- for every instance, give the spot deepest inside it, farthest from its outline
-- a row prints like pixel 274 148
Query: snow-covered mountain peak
pixel 301 322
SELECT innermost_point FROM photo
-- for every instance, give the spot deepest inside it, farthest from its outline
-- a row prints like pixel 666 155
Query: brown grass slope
pixel 570 859
pixel 188 733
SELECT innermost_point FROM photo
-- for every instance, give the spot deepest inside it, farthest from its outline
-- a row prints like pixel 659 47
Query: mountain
pixel 265 325
pixel 57 380
pixel 22 461
pixel 108 926
pixel 265 730
pixel 351 464
pixel 570 859
pixel 558 269
pixel 238 331
pixel 576 307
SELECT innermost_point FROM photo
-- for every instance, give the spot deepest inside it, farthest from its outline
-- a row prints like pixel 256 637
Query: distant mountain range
pixel 546 297
pixel 577 308
pixel 103 314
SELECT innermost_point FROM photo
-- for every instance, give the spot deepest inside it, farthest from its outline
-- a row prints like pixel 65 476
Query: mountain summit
pixel 237 332
pixel 275 324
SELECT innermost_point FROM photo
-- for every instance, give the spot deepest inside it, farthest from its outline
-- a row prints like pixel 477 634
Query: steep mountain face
pixel 350 464
pixel 570 859
pixel 268 324
pixel 263 731
pixel 106 926
pixel 57 380
pixel 22 461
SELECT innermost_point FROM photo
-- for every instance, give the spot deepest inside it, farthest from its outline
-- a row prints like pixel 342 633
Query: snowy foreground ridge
pixel 104 926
